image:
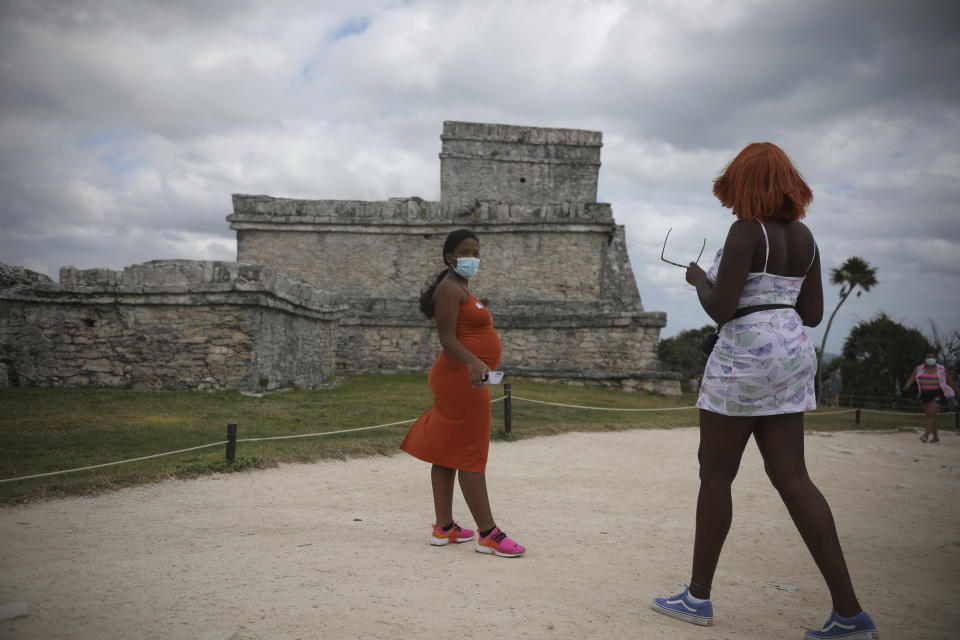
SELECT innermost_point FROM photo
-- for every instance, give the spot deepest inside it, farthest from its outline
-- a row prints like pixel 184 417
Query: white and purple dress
pixel 764 363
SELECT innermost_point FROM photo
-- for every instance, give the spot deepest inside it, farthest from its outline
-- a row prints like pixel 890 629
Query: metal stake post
pixel 232 442
pixel 507 418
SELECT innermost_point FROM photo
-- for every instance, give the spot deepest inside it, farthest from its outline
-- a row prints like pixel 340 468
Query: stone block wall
pixel 11 277
pixel 373 346
pixel 387 250
pixel 556 278
pixel 506 163
pixel 170 325
pixel 591 351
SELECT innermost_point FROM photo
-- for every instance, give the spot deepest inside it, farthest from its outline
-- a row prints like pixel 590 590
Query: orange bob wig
pixel 761 182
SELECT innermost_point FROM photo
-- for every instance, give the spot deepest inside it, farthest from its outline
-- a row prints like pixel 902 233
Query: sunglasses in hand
pixel 677 264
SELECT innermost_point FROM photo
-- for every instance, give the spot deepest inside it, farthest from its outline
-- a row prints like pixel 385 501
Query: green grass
pixel 43 430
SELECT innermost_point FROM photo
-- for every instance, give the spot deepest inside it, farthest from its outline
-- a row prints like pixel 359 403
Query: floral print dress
pixel 763 363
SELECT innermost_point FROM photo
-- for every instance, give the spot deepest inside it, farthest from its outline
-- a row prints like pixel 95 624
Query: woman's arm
pixel 952 383
pixel 720 299
pixel 447 301
pixel 810 300
pixel 913 376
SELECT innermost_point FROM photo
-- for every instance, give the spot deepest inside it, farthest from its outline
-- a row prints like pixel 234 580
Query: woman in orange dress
pixel 454 434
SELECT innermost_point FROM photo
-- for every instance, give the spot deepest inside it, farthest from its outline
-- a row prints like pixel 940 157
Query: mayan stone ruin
pixel 326 287
pixel 174 324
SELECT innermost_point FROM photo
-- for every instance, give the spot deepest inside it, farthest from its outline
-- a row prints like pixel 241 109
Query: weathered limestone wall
pixel 371 346
pixel 556 277
pixel 172 325
pixel 11 276
pixel 388 249
pixel 15 277
pixel 508 163
pixel 621 356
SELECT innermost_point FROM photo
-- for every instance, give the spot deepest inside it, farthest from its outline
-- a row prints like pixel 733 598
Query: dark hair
pixel 449 246
pixel 761 182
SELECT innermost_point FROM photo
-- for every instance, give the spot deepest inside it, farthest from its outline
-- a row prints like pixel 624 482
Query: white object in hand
pixel 493 377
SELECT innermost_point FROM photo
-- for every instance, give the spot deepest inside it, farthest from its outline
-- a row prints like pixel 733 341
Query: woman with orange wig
pixel 762 289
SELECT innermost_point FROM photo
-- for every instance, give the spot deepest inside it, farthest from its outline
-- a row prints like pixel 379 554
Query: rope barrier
pixel 817 414
pixel 328 433
pixel 577 406
pixel 214 444
pixel 110 464
pixel 325 433
pixel 891 413
pixel 809 414
pixel 392 424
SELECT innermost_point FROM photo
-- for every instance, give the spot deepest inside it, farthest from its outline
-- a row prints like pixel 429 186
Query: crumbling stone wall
pixel 505 163
pixel 172 325
pixel 386 250
pixel 11 277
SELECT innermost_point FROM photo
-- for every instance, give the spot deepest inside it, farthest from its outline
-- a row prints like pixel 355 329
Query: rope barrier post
pixel 507 418
pixel 858 416
pixel 231 442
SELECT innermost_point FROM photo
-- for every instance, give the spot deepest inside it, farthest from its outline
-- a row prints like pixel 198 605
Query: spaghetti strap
pixel 813 259
pixel 459 284
pixel 766 242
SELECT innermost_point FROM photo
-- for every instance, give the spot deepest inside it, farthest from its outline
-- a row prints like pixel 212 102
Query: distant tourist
pixel 934 386
pixel 836 386
pixel 763 287
pixel 454 434
pixel 694 383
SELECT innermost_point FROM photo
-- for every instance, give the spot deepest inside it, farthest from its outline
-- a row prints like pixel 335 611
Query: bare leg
pixel 931 409
pixel 780 439
pixel 722 440
pixel 442 480
pixel 474 488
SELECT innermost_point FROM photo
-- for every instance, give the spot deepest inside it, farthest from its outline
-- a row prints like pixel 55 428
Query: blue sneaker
pixel 679 606
pixel 859 627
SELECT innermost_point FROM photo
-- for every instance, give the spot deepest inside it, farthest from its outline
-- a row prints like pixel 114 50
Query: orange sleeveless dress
pixel 455 431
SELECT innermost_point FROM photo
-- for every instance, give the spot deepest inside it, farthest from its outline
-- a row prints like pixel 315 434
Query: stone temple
pixel 328 287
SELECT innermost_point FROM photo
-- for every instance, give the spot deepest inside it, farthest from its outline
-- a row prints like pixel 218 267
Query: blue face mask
pixel 467 267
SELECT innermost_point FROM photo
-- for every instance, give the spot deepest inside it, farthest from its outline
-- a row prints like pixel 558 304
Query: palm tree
pixel 852 273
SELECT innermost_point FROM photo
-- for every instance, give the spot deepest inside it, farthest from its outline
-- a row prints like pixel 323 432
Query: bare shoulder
pixel 799 228
pixel 743 233
pixel 448 290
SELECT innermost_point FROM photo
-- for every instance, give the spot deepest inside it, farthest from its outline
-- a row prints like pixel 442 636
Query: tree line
pixel 877 357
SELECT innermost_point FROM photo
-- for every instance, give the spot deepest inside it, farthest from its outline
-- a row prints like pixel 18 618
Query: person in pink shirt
pixel 934 386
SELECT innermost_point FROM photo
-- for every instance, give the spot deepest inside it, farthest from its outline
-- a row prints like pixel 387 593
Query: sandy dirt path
pixel 338 549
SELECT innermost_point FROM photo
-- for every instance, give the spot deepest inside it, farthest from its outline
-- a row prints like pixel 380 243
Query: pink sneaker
pixel 499 544
pixel 455 534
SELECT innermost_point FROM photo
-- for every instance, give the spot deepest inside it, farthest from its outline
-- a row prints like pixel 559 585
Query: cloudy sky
pixel 126 125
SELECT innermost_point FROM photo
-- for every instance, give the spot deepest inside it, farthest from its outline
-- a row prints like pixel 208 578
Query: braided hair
pixel 449 246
